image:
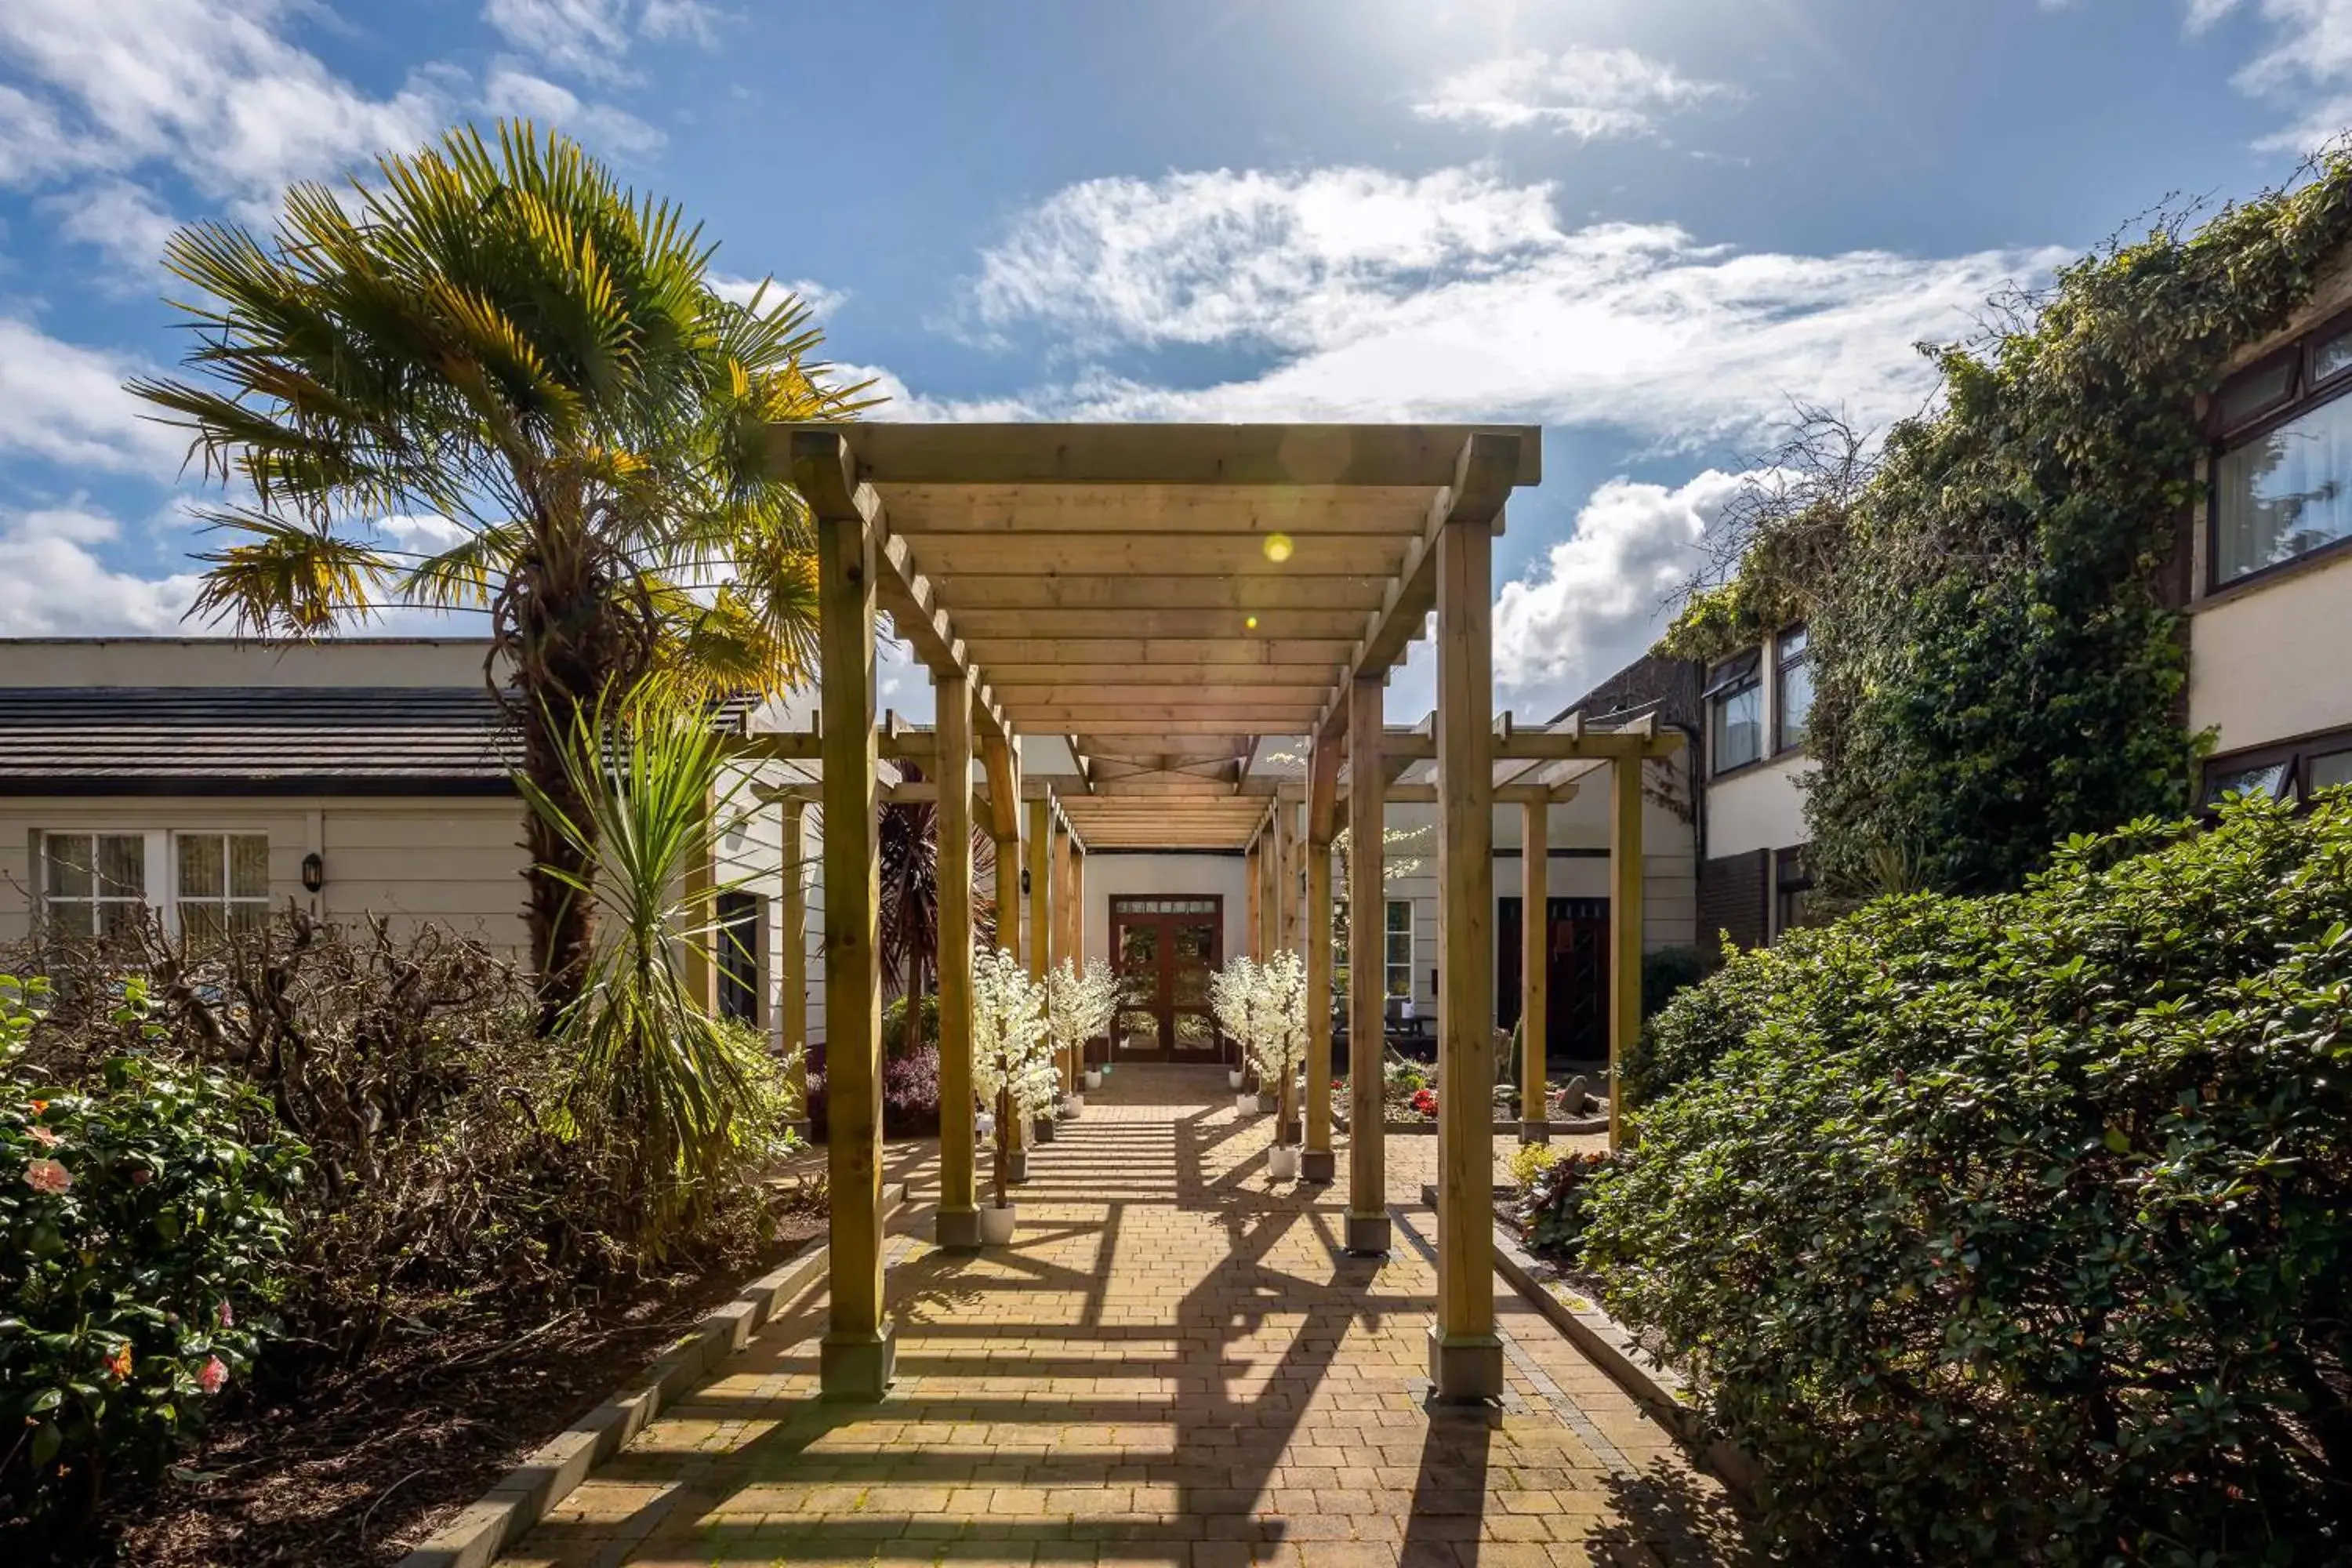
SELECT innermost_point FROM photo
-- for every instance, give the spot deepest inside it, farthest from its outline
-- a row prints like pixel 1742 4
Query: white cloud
pixel 603 129
pixel 821 300
pixel 1290 260
pixel 590 38
pixel 423 533
pixel 903 402
pixel 208 87
pixel 125 220
pixel 64 403
pixel 52 584
pixel 2304 67
pixel 1586 93
pixel 1593 604
pixel 1458 296
pixel 680 19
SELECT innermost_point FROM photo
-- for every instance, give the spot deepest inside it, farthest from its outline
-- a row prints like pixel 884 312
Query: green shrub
pixel 1667 974
pixel 2020 1228
pixel 895 1041
pixel 1558 1206
pixel 139 1240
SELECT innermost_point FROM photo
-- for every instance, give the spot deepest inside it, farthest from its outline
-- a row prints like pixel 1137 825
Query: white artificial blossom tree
pixel 1263 1006
pixel 1080 1005
pixel 1010 1054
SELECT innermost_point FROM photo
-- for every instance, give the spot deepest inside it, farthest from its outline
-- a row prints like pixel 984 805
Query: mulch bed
pixel 355 1469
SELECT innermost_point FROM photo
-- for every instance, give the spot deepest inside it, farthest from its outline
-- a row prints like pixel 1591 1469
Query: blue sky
pixel 1647 225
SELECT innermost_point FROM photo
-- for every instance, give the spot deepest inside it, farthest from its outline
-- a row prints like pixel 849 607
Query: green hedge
pixel 2020 1228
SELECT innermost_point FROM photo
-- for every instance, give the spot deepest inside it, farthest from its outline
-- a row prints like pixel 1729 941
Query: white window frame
pixel 1389 965
pixel 160 863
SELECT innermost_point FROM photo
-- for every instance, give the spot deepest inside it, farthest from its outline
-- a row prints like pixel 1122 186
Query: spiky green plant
pixel 674 1085
pixel 500 349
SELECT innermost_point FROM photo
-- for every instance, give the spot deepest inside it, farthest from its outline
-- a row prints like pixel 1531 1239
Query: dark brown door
pixel 1576 980
pixel 1166 949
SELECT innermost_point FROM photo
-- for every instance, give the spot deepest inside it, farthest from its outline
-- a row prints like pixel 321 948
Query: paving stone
pixel 1174 1365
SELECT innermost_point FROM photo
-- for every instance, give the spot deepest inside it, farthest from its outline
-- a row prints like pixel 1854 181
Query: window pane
pixel 1795 701
pixel 1739 723
pixel 2264 780
pixel 119 917
pixel 123 866
pixel 70 856
pixel 1400 980
pixel 2284 495
pixel 2256 393
pixel 1400 949
pixel 248 917
pixel 201 876
pixel 200 924
pixel 1401 917
pixel 2331 768
pixel 2331 358
pixel 249 866
pixel 1792 644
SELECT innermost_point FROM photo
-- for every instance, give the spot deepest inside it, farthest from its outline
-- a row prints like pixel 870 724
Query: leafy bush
pixel 1531 1161
pixel 910 1096
pixel 1557 1205
pixel 139 1240
pixel 896 1039
pixel 2020 1228
pixel 1666 974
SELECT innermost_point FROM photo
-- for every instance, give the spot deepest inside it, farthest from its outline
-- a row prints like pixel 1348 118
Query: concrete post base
pixel 1368 1234
pixel 857 1369
pixel 1535 1132
pixel 1316 1165
pixel 958 1231
pixel 1045 1133
pixel 1465 1370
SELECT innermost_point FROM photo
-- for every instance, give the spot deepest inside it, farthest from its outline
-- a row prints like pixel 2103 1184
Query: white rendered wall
pixel 1759 808
pixel 2274 661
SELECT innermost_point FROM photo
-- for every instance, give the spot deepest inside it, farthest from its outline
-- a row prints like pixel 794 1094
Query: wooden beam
pixel 1368 1202
pixel 1198 724
pixel 1322 791
pixel 1505 794
pixel 1048 626
pixel 1171 689
pixel 1275 714
pixel 956 1225
pixel 895 453
pixel 1003 789
pixel 1048 589
pixel 1483 470
pixel 1021 682
pixel 1465 1357
pixel 857 1352
pixel 1161 652
pixel 1535 958
pixel 1314 558
pixel 1041 878
pixel 1143 509
pixel 1625 888
pixel 792 985
pixel 1253 889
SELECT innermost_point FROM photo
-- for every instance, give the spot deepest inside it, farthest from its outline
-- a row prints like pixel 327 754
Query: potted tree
pixel 1080 1005
pixel 1008 1035
pixel 1280 1046
pixel 1232 996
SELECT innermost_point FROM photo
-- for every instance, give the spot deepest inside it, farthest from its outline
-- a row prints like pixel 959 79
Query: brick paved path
pixel 1174 1364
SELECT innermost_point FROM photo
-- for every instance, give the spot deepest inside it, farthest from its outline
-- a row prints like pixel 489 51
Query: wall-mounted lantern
pixel 314 872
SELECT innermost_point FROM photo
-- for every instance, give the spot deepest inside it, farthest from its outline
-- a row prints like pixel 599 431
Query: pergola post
pixel 1078 928
pixel 958 1224
pixel 1316 1163
pixel 1061 860
pixel 1368 1205
pixel 1535 957
pixel 1466 1358
pixel 1625 871
pixel 857 1356
pixel 1008 896
pixel 1255 886
pixel 792 985
pixel 1040 897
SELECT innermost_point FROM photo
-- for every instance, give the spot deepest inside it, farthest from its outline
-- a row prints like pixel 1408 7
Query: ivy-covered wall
pixel 1998 662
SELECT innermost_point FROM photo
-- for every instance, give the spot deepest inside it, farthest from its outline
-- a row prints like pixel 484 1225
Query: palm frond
pixel 285 580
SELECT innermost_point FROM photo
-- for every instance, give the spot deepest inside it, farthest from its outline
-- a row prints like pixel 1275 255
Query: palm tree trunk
pixel 562 920
pixel 566 660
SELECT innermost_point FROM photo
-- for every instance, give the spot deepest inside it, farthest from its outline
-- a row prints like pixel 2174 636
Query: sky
pixel 1651 226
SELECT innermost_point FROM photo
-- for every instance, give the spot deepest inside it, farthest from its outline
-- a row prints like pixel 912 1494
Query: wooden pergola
pixel 1170 599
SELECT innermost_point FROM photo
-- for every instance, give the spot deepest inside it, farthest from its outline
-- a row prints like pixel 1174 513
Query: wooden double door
pixel 1165 948
pixel 1576 978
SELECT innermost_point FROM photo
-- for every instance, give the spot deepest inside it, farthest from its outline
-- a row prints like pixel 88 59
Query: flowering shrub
pixel 141 1240
pixel 1012 1058
pixel 1424 1103
pixel 1080 1005
pixel 2019 1229
pixel 1263 1006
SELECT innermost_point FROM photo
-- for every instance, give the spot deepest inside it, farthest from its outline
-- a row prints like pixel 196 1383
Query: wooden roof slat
pixel 1221 651
pixel 1191 454
pixel 1194 556
pixel 1051 590
pixel 1046 625
pixel 1146 508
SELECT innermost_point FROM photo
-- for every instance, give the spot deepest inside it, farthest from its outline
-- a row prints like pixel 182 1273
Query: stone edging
pixel 1657 1388
pixel 549 1474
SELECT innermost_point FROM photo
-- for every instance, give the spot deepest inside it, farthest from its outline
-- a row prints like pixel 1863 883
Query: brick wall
pixel 1732 890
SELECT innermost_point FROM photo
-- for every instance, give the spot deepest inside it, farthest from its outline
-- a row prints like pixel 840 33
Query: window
pixel 1792 890
pixel 222 884
pixel 1397 952
pixel 1735 698
pixel 738 938
pixel 94 884
pixel 2291 771
pixel 2283 476
pixel 200 884
pixel 1793 690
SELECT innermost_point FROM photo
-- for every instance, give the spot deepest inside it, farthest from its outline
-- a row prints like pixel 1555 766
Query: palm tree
pixel 504 347
pixel 908 855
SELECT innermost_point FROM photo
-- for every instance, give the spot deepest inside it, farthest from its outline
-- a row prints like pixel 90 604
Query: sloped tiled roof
pixel 251 739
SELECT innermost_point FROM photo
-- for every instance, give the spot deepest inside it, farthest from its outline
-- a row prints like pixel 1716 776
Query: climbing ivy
pixel 1996 664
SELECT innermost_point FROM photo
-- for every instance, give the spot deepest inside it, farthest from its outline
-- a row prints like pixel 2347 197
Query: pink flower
pixel 46 1176
pixel 215 1377
pixel 43 1137
pixel 222 1315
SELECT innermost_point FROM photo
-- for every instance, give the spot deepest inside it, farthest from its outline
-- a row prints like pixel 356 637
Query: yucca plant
pixel 502 350
pixel 677 1088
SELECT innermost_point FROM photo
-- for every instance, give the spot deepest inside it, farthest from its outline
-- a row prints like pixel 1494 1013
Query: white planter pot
pixel 984 1126
pixel 1094 1078
pixel 1281 1163
pixel 1245 1105
pixel 1233 1079
pixel 996 1224
pixel 1074 1105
